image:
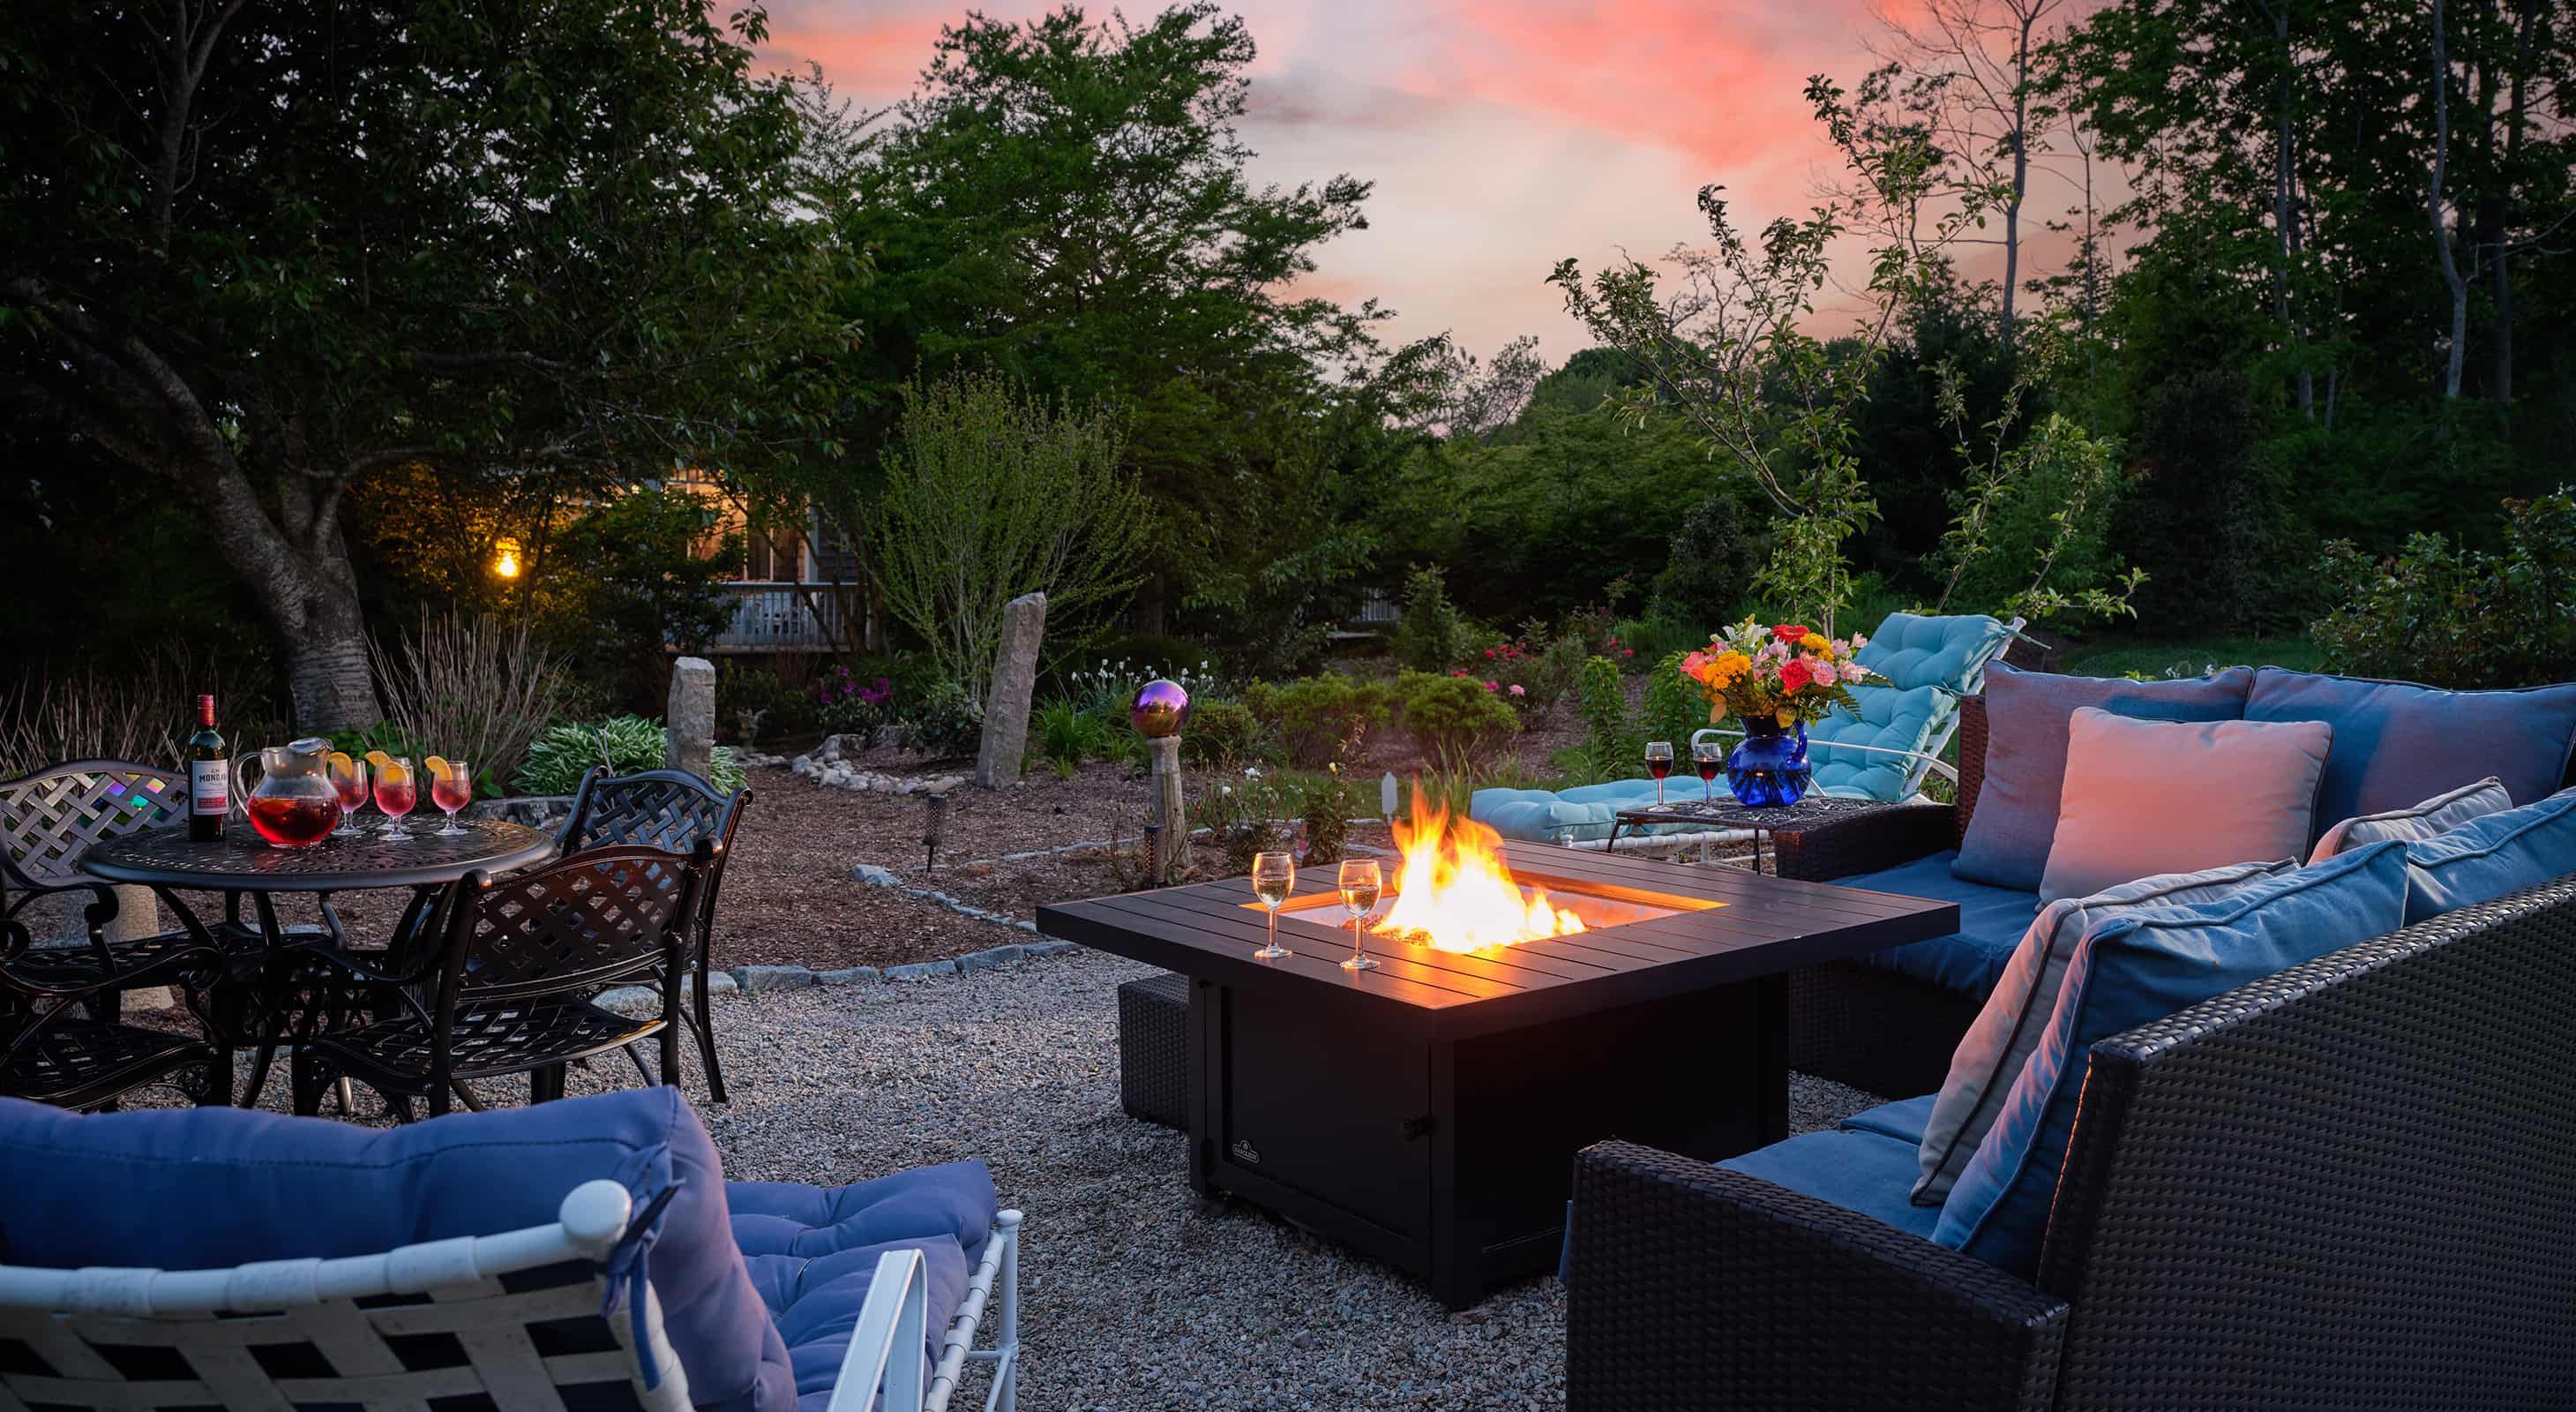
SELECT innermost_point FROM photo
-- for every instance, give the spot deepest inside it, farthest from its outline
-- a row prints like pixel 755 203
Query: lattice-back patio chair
pixel 509 975
pixel 1908 712
pixel 671 809
pixel 518 1322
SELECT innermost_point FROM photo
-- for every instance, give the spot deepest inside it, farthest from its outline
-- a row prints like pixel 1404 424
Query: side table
pixel 1782 820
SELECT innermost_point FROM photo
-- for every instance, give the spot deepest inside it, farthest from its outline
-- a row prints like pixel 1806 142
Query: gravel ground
pixel 1133 1297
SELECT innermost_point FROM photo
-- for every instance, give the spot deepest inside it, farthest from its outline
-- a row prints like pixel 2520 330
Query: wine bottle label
pixel 209 786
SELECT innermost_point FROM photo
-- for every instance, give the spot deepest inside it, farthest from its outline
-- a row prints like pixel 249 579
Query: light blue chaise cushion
pixel 1991 923
pixel 2008 838
pixel 2488 857
pixel 1579 815
pixel 2132 970
pixel 222 1186
pixel 1889 718
pixel 2396 743
pixel 1911 650
pixel 1854 1168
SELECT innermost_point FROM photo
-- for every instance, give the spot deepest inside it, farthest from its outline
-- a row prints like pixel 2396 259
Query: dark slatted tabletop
pixel 1762 926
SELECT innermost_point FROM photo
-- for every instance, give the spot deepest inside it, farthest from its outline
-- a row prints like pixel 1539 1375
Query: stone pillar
pixel 1164 753
pixel 1015 680
pixel 690 718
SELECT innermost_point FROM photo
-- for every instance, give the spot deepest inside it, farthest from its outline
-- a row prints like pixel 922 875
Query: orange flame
pixel 1455 892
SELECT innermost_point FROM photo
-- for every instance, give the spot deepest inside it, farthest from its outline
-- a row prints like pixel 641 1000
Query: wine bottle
pixel 210 794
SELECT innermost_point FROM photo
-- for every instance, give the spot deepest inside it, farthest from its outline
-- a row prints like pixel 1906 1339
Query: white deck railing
pixel 774 617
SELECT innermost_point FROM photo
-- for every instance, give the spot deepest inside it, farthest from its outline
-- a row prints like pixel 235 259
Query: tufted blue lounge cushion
pixel 2396 742
pixel 812 1253
pixel 1576 815
pixel 1853 1168
pixel 1906 1119
pixel 2488 857
pixel 1889 718
pixel 213 1187
pixel 1991 923
pixel 1911 650
pixel 2132 970
pixel 2009 837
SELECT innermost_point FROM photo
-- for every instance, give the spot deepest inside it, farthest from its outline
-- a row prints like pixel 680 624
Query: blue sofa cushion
pixel 812 1253
pixel 2488 857
pixel 2431 819
pixel 1911 650
pixel 1890 719
pixel 1991 923
pixel 1579 815
pixel 212 1187
pixel 2132 970
pixel 2397 742
pixel 1906 1118
pixel 1853 1168
pixel 2009 836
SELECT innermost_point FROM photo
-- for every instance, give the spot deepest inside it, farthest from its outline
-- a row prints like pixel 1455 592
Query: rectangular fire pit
pixel 1428 1112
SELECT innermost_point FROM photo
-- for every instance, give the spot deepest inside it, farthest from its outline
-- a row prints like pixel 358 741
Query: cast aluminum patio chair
pixel 519 1322
pixel 676 810
pixel 50 818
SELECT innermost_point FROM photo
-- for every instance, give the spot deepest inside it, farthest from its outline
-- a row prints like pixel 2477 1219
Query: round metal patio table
pixel 242 865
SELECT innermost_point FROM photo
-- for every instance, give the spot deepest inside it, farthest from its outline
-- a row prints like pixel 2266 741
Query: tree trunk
pixel 301 575
pixel 2285 219
pixel 2433 207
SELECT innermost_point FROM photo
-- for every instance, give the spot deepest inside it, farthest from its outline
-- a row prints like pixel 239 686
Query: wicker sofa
pixel 2350 1184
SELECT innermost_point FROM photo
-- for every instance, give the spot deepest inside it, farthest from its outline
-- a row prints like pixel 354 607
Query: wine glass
pixel 1359 882
pixel 451 788
pixel 1274 876
pixel 348 780
pixel 1659 763
pixel 397 790
pixel 1709 756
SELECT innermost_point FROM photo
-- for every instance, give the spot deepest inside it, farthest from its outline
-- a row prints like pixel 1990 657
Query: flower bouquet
pixel 1784 674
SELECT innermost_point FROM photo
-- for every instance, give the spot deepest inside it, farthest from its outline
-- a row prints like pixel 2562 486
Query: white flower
pixel 1250 773
pixel 1225 789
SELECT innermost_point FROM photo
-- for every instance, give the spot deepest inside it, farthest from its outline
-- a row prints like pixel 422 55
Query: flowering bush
pixel 1532 671
pixel 842 703
pixel 1322 718
pixel 1786 672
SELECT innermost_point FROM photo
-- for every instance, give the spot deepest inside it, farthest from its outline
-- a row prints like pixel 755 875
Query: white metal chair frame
pixel 215 1319
pixel 1925 761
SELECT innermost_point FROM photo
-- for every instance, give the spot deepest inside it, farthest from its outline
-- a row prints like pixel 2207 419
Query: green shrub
pixel 1320 719
pixel 1431 635
pixel 2449 616
pixel 1714 555
pixel 1220 732
pixel 1674 705
pixel 1601 701
pixel 1641 640
pixel 2209 524
pixel 1067 734
pixel 758 705
pixel 1327 816
pixel 943 722
pixel 626 744
pixel 1455 721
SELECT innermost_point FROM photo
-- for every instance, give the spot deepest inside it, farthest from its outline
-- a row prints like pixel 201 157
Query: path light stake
pixel 934 812
pixel 1154 853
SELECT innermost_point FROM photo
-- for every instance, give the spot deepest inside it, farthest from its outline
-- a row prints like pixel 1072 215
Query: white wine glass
pixel 1360 883
pixel 1274 876
pixel 1659 763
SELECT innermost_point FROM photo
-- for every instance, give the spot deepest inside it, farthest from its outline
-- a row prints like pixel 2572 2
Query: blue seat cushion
pixel 213 1187
pixel 2134 969
pixel 2397 742
pixel 2009 836
pixel 812 1251
pixel 1912 649
pixel 1578 815
pixel 1905 1119
pixel 1855 1169
pixel 1890 719
pixel 1991 923
pixel 2490 856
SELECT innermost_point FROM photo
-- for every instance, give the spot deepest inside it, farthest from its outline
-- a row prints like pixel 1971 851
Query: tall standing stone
pixel 690 719
pixel 1015 680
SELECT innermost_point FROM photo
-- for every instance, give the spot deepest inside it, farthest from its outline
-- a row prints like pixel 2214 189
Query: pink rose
pixel 1517 691
pixel 1822 673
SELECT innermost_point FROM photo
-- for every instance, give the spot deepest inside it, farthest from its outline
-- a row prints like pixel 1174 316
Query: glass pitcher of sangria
pixel 294 805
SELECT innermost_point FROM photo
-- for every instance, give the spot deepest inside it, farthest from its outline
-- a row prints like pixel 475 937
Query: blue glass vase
pixel 1770 767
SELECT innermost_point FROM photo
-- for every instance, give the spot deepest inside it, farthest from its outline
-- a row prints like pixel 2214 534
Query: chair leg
pixel 635 1056
pixel 706 1029
pixel 545 1085
pixel 305 1085
pixel 671 1055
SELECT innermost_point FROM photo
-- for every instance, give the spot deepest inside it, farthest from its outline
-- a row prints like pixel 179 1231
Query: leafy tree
pixel 629 579
pixel 260 253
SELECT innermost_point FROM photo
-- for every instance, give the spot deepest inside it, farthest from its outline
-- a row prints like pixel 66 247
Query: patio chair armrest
pixel 1865 843
pixel 1690 1285
pixel 886 1345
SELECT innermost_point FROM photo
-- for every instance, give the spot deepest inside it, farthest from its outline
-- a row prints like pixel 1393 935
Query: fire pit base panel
pixel 1452 1158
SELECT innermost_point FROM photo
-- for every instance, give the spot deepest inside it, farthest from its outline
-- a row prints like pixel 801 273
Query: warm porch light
pixel 505 558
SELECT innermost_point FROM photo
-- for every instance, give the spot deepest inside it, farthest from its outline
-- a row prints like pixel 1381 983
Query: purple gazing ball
pixel 1160 708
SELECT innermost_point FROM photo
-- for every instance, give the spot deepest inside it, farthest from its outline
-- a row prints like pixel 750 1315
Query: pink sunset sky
pixel 1501 135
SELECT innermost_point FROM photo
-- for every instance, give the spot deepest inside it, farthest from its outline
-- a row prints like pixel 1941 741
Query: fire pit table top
pixel 1668 928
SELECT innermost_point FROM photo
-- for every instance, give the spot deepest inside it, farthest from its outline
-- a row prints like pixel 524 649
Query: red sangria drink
pixel 349 782
pixel 451 788
pixel 292 822
pixel 397 792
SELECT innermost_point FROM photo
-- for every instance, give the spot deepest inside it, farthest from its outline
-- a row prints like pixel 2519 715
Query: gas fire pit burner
pixel 1428 1112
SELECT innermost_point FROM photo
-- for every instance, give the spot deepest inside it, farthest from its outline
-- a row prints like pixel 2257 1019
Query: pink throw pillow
pixel 2148 797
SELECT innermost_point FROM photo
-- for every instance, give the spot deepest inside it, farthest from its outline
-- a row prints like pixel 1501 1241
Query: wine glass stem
pixel 1274 930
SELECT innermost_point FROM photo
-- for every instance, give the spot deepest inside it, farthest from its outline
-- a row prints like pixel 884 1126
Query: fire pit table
pixel 1428 1112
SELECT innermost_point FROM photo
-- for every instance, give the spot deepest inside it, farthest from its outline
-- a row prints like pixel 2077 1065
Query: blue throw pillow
pixel 2132 970
pixel 1911 650
pixel 205 1188
pixel 2008 838
pixel 2396 743
pixel 2488 857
